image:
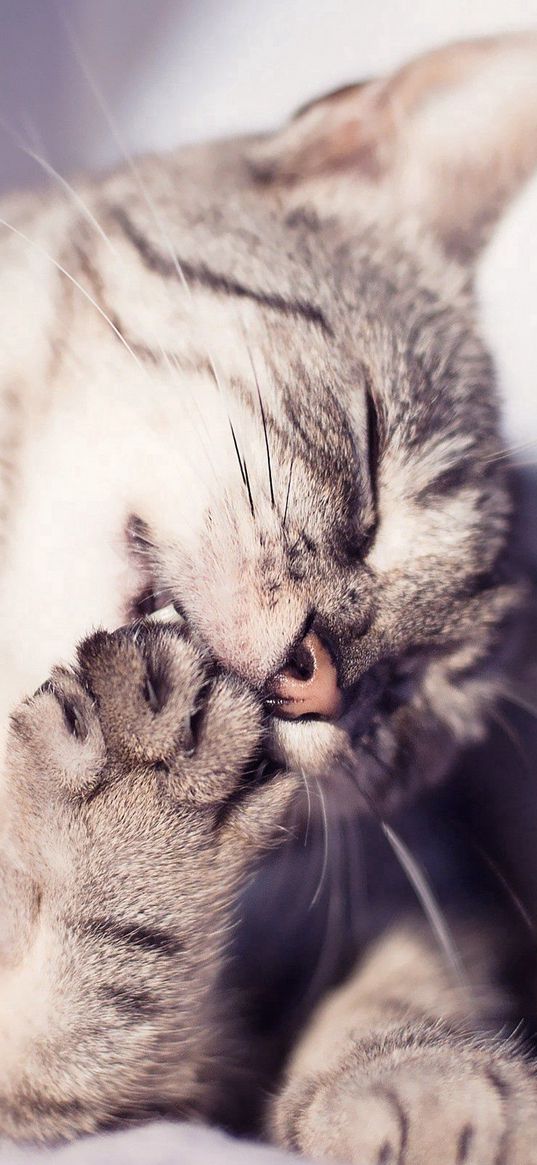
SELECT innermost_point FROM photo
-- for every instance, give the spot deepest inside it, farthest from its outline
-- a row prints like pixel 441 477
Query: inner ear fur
pixel 449 138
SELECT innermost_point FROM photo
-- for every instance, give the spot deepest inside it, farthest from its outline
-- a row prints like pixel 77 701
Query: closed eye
pixel 373 444
pixel 359 542
pixel 150 601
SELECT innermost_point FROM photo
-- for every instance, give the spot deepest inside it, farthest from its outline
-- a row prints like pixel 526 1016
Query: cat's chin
pixel 315 748
pixel 322 753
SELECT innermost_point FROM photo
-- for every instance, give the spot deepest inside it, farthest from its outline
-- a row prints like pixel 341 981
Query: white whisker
pixel 73 195
pixel 426 898
pixel 77 200
pixel 511 734
pixel 36 246
pixel 518 701
pixel 308 795
pixel 141 186
pixel 512 894
pixel 123 151
pixel 324 865
pixel 80 287
pixel 510 451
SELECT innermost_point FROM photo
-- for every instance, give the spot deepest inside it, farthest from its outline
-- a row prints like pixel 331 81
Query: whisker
pixel 526 464
pixel 308 795
pixel 155 217
pixel 512 735
pixel 83 290
pixel 510 451
pixel 288 494
pixel 324 865
pixel 237 451
pixel 120 145
pixel 149 596
pixel 424 893
pixel 511 893
pixel 40 249
pixel 87 295
pixel 194 400
pixel 240 459
pixel 374 756
pixel 243 468
pixel 267 447
pixel 249 490
pixel 518 701
pixel 74 196
pixel 334 922
pixel 216 376
pixel 265 429
pixel 420 884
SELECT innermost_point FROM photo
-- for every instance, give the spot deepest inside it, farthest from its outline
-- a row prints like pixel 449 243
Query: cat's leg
pixel 389 1074
pixel 130 813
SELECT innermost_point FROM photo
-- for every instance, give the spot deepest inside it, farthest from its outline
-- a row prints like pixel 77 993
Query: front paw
pixel 144 726
pixel 419 1095
pixel 134 806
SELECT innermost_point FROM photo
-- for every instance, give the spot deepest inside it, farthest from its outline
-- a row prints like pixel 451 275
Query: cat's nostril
pixel 308 684
pixel 301 662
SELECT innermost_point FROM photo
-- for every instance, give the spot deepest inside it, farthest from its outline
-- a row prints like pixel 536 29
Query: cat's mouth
pixel 304 687
pixel 313 726
pixel 311 720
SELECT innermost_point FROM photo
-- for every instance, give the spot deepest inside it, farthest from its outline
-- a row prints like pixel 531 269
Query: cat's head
pixel 328 466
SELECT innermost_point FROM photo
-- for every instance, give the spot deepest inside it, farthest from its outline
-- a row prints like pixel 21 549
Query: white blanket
pixel 156 1144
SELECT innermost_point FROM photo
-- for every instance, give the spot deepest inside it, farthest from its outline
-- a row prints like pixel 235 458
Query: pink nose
pixel 307 685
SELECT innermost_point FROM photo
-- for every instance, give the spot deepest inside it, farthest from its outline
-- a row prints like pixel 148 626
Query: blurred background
pixel 178 70
pixel 171 71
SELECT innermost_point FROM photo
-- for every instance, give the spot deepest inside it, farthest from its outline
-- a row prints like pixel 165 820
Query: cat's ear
pixel 448 139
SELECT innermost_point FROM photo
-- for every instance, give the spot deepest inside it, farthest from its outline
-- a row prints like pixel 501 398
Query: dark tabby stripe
pixel 202 276
pixel 131 1005
pixel 394 1103
pixel 503 1090
pixel 153 940
pixel 25 1108
pixel 450 481
pixel 465 1144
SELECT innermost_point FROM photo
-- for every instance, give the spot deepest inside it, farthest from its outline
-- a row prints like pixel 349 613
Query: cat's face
pixel 337 466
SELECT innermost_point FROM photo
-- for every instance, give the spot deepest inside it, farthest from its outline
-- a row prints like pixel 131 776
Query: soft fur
pixel 248 380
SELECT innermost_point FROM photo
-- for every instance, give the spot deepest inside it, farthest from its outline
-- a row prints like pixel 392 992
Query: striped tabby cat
pixel 247 380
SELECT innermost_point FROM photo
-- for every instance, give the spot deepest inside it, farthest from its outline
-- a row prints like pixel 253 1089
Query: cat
pixel 247 381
